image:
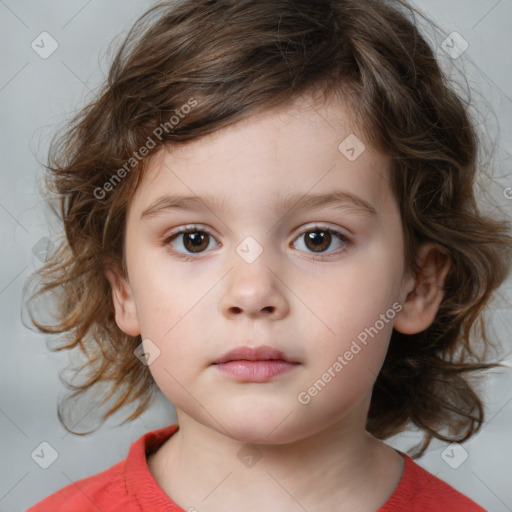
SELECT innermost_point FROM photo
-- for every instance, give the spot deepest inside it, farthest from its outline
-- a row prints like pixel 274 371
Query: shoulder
pixel 103 491
pixel 420 490
pixel 127 486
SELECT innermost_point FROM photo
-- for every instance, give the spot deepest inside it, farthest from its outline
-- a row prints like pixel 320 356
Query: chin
pixel 264 429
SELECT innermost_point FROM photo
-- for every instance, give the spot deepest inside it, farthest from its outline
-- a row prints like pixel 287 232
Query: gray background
pixel 37 95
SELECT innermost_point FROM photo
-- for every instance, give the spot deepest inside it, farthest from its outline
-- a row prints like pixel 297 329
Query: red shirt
pixel 128 486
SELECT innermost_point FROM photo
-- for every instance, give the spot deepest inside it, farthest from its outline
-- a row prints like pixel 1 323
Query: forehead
pixel 304 146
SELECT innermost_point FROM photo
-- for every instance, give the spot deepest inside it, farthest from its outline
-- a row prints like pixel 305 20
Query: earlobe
pixel 423 300
pixel 124 303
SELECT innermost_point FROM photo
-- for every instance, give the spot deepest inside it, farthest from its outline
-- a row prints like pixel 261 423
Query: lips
pixel 261 353
pixel 257 365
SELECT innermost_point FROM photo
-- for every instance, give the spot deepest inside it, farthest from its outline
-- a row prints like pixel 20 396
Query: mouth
pixel 261 353
pixel 259 364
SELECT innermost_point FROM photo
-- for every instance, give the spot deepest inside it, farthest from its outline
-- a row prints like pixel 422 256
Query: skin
pixel 311 305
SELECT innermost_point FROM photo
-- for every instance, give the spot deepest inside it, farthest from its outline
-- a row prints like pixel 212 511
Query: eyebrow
pixel 338 198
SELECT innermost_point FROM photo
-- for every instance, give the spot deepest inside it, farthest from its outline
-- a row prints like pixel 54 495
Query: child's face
pixel 309 297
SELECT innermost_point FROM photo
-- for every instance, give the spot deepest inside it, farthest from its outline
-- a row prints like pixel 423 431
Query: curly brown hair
pixel 226 60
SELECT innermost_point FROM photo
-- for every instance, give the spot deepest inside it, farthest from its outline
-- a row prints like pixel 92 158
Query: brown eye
pixel 189 241
pixel 195 241
pixel 319 239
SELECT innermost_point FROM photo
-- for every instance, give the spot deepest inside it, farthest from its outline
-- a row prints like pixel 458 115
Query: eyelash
pixel 347 243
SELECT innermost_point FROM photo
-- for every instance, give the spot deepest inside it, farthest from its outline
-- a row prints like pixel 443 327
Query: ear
pixel 424 292
pixel 124 302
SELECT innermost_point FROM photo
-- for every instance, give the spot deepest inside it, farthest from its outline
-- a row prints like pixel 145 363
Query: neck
pixel 340 468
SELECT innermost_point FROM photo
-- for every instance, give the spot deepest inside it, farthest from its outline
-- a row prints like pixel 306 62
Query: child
pixel 270 216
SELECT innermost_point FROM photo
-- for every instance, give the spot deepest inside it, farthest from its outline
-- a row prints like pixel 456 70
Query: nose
pixel 255 290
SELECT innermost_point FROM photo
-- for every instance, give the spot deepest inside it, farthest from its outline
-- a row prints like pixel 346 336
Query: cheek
pixel 168 292
pixel 177 324
pixel 354 297
pixel 163 312
pixel 346 362
pixel 182 342
pixel 355 316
